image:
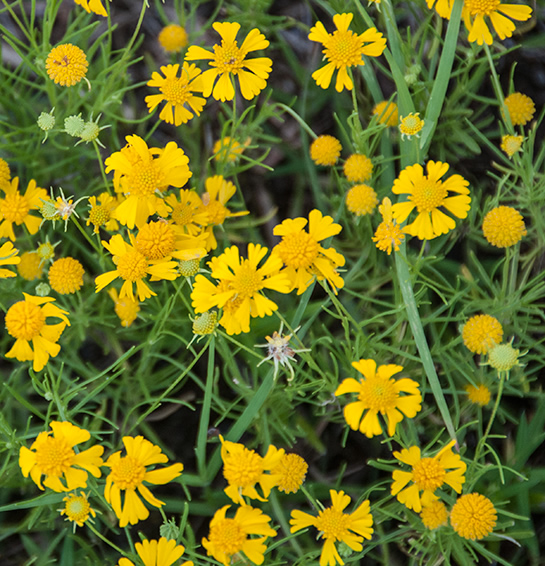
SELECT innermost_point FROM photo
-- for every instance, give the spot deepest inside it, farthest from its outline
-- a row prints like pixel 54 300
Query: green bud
pixel 189 267
pixel 42 289
pixel 169 530
pixel 46 121
pixel 90 132
pixel 73 125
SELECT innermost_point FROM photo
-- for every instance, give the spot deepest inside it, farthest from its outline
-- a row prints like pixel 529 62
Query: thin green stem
pixel 204 420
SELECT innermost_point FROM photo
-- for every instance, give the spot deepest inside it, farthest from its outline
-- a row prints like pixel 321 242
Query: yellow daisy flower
pixel 177 93
pixel 411 125
pixel 473 516
pixel 53 456
pixel 511 144
pixel 379 393
pixel 388 234
pixel 100 213
pixel 133 267
pixel 126 309
pixel 128 474
pixel 344 49
pixel 434 515
pixel 94 6
pixel 26 322
pixel 239 287
pixel 77 509
pixel 31 266
pixel 481 332
pixel 429 195
pixel 290 473
pixel 244 468
pixel 66 275
pixel 8 256
pixel 300 251
pixel 15 208
pixel 475 11
pixel 66 64
pixel 162 552
pixel 337 526
pixel 427 476
pixel 173 38
pixel 228 60
pixel 188 211
pixel 159 240
pixel 442 7
pixel 229 537
pixel 143 174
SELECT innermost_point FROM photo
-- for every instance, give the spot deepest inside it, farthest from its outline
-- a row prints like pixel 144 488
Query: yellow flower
pixel 386 113
pixel 142 174
pixel 521 108
pixel 427 475
pixel 428 194
pixel 54 456
pixel 325 150
pixel 434 515
pixel 290 472
pixel 379 393
pixel 162 552
pixel 8 256
pixel 361 200
pixel 473 516
pixel 305 259
pixel 92 6
pixel 511 144
pixel 5 174
pixel 503 227
pixel 239 287
pixel 358 168
pixel 229 149
pixel 158 240
pixel 388 234
pixel 228 537
pixel 100 214
pixel 133 267
pixel 244 468
pixel 481 332
pixel 478 395
pixel 66 64
pixel 344 49
pixel 474 12
pixel 126 309
pixel 337 526
pixel 443 7
pixel 128 474
pixel 26 322
pixel 411 125
pixel 15 208
pixel 66 275
pixel 228 60
pixel 173 38
pixel 77 509
pixel 177 93
pixel 30 267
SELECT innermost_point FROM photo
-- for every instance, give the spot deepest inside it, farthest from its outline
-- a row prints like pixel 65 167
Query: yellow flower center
pixel 15 208
pixel 77 508
pixel 99 215
pixel 54 456
pixel 481 7
pixel 145 180
pixel 216 211
pixel 248 281
pixel 156 240
pixel 228 536
pixel 428 474
pixel 428 195
pixel 343 49
pixel 378 394
pixel 298 250
pixel 243 470
pixel 182 214
pixel 175 90
pixel 132 266
pixel 332 523
pixel 128 473
pixel 229 58
pixel 25 320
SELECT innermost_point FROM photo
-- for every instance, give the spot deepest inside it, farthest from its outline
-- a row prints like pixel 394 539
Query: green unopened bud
pixel 169 530
pixel 205 324
pixel 90 132
pixel 412 74
pixel 73 125
pixel 46 121
pixel 42 289
pixel 189 267
pixel 503 358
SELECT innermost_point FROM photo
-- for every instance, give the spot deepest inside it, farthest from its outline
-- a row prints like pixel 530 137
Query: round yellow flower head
pixel 521 108
pixel 5 174
pixel 358 168
pixel 30 267
pixel 503 358
pixel 473 516
pixel 387 113
pixel 77 509
pixel 361 200
pixel 511 144
pixel 66 275
pixel 434 515
pixel 388 234
pixel 411 125
pixel 66 64
pixel 481 332
pixel 173 38
pixel 479 395
pixel 291 472
pixel 325 150
pixel 156 240
pixel 503 227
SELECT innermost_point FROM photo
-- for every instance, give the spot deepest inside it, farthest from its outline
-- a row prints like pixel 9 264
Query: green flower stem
pixel 204 420
pixel 102 537
pixel 498 90
pixel 298 118
pixel 404 279
pixel 86 236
